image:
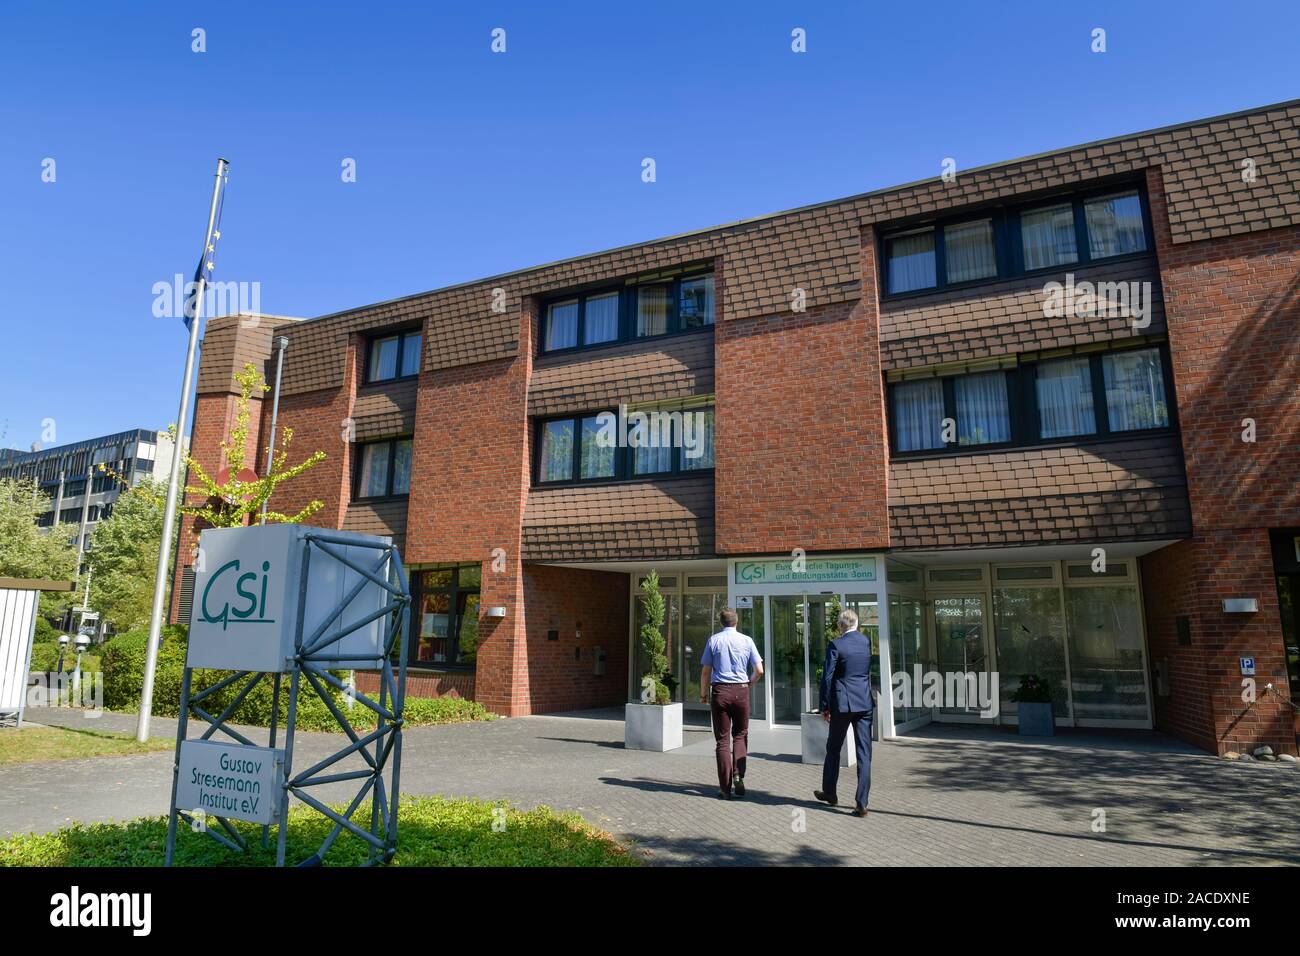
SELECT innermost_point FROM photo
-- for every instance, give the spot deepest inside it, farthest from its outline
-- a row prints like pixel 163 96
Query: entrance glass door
pixel 789 677
pixel 960 642
pixel 699 622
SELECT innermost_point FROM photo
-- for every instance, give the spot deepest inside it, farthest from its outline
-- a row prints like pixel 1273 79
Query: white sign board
pixel 1247 667
pixel 247 585
pixel 230 780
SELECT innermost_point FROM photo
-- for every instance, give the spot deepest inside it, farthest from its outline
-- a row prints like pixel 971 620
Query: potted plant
pixel 1033 699
pixel 813 730
pixel 654 722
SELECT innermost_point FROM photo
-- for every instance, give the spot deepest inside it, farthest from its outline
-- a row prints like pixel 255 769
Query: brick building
pixel 1041 418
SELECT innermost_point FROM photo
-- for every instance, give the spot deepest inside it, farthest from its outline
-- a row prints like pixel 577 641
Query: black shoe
pixel 859 811
pixel 827 798
pixel 738 784
pixel 723 795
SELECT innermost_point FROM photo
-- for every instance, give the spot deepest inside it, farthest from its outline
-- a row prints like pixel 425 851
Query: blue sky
pixel 471 163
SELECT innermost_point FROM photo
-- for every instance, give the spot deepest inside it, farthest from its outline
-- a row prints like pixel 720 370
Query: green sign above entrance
pixel 806 571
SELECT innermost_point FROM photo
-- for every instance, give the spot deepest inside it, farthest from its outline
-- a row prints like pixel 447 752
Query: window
pixel 1081 228
pixel 384 469
pixel 696 302
pixel 393 357
pixel 447 631
pixel 1115 225
pixel 1064 393
pixel 1047 237
pixel 652 309
pixel 556 459
pixel 1038 401
pixel 911 262
pixel 982 415
pixel 602 319
pixel 597 447
pixel 970 251
pixel 562 325
pixel 1135 390
pixel 918 415
pixel 638 311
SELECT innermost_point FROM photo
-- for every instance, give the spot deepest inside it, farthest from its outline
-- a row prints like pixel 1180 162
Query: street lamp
pixel 63 645
pixel 83 642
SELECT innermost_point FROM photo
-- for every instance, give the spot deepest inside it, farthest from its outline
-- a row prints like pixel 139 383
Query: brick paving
pixel 951 796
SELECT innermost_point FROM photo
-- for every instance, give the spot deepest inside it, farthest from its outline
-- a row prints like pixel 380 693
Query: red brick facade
pixel 797 366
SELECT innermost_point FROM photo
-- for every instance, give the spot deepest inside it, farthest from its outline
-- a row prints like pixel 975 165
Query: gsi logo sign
pixel 241 595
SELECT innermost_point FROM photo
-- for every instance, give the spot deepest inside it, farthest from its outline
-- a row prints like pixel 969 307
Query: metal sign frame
pixel 381 749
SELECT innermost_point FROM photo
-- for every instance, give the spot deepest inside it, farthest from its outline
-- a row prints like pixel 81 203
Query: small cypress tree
pixel 652 643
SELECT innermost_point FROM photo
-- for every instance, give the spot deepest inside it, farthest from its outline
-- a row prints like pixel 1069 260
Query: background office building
pixel 900 407
pixel 80 494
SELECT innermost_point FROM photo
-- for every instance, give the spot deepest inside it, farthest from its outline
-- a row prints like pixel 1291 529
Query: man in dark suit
pixel 846 702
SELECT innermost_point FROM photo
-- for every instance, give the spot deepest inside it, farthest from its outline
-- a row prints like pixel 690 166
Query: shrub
pixel 123 665
pixel 45 657
pixel 45 631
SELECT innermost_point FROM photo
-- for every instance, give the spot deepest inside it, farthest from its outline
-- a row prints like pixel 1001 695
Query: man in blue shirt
pixel 728 660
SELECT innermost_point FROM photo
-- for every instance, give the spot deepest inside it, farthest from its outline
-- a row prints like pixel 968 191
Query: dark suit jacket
pixel 846 676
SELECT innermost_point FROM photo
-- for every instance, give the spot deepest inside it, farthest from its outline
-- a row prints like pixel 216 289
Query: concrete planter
pixel 813 732
pixel 652 727
pixel 1036 720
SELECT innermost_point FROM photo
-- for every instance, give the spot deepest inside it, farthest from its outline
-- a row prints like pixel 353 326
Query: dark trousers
pixel 729 704
pixel 840 724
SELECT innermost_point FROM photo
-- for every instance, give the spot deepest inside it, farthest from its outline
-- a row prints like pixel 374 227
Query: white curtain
pixel 911 262
pixel 374 471
pixel 1115 225
pixel 562 326
pixel 1047 236
pixel 595 460
pixel 557 451
pixel 402 468
pixel 703 422
pixel 982 417
pixel 968 251
pixel 602 319
pixel 650 461
pixel 918 415
pixel 1135 390
pixel 1065 398
pixel 652 310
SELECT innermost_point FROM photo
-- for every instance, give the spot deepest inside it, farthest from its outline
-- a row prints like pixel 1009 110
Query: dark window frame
pixel 402 335
pixel 624 458
pixel 359 459
pixel 1023 411
pixel 453 591
pixel 627 312
pixel 1007 240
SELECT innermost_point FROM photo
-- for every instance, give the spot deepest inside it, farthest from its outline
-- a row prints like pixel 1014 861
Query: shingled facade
pixel 886 383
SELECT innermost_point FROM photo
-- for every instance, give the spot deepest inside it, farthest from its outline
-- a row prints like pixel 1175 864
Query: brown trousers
pixel 729 704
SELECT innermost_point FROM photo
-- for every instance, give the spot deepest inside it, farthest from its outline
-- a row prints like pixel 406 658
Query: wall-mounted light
pixel 1240 605
pixel 496 611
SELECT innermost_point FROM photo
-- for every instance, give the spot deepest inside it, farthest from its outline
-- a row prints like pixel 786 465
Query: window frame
pixel 359 459
pixel 627 312
pixel 1025 415
pixel 1007 243
pixel 402 335
pixel 624 458
pixel 453 591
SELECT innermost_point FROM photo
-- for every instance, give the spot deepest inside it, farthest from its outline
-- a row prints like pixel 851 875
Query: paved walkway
pixel 951 796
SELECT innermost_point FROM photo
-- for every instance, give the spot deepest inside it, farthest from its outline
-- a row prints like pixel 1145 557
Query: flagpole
pixel 173 481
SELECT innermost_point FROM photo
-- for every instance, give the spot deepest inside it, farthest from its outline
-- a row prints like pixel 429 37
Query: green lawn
pixel 432 831
pixel 35 744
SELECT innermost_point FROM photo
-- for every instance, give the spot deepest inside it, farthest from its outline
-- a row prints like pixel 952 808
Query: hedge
pixel 45 657
pixel 123 667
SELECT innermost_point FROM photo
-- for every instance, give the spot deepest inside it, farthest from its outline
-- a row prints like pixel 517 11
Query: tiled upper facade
pixel 803 450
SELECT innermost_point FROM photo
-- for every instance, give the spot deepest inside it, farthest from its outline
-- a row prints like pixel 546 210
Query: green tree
pixel 124 556
pixel 231 503
pixel 27 551
pixel 652 641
